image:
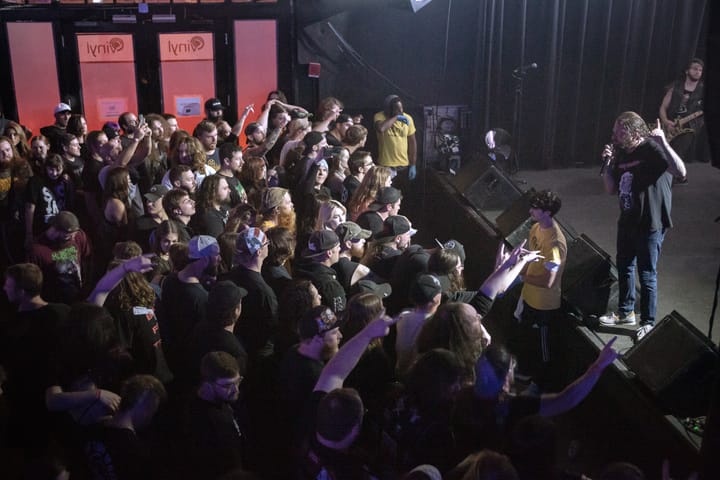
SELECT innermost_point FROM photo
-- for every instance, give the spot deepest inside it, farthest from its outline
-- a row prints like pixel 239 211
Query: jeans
pixel 637 246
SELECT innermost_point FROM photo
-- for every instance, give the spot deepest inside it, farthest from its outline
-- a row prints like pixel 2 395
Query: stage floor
pixel 690 259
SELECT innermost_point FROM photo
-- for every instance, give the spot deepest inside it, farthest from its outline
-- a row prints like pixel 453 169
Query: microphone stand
pixel 519 76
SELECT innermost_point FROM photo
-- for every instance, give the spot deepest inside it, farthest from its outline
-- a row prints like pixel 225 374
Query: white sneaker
pixel 642 331
pixel 613 318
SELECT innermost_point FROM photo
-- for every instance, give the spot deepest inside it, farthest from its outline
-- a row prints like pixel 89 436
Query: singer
pixel 640 171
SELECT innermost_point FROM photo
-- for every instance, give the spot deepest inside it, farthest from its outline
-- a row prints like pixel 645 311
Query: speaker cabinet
pixel 492 192
pixel 590 279
pixel 677 363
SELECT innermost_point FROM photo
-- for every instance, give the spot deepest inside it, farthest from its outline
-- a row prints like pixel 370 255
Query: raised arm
pixel 675 164
pixel 339 367
pixel 557 403
pixel 112 278
pixel 238 127
pixel 508 267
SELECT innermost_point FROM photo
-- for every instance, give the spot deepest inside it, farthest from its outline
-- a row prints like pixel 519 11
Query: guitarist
pixel 683 98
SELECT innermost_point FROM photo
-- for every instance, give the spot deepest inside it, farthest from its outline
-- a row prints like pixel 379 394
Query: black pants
pixel 538 342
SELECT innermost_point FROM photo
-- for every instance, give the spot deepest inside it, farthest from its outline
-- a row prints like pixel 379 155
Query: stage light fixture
pixel 163 18
pixel 124 19
pixel 418 4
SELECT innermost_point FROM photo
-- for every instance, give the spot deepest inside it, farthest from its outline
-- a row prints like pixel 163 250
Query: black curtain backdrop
pixel 596 58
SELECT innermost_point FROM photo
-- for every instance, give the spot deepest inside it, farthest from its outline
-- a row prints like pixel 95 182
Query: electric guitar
pixel 677 129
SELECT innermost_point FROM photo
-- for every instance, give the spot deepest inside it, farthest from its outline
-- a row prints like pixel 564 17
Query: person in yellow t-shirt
pixel 539 306
pixel 396 137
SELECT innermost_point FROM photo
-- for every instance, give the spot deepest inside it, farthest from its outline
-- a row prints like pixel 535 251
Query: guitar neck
pixel 689 118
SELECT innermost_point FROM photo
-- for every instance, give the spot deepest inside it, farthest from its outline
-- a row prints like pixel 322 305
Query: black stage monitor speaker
pixel 493 191
pixel 677 363
pixel 589 280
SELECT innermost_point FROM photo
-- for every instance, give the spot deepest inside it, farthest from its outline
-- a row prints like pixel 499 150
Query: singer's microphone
pixel 607 158
pixel 524 68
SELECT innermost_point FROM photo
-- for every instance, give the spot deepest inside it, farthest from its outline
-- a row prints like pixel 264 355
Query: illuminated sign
pixel 186 46
pixel 105 48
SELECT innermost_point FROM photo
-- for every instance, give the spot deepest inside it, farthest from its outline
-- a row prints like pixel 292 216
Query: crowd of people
pixel 184 307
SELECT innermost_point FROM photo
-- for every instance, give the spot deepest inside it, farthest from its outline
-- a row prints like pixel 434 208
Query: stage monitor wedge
pixel 677 363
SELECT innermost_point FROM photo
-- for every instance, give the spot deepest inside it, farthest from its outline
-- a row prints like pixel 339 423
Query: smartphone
pixel 141 119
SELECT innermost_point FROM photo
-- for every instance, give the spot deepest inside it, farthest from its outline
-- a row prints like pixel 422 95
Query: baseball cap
pixel 390 99
pixel 313 138
pixel 252 128
pixel 424 289
pixel 66 221
pixel 156 192
pixel 393 226
pixel 384 196
pixel 213 104
pixel 348 231
pixel 61 107
pixel 320 242
pixel 456 247
pixel 250 241
pixel 111 129
pixel 202 246
pixel 223 297
pixel 273 197
pixel 382 290
pixel 317 321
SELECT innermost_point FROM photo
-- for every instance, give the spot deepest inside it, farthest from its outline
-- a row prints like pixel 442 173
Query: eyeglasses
pixel 231 384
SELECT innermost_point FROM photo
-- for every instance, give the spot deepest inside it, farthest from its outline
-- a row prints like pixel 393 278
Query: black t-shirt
pixel 325 280
pixel 50 198
pixel 383 263
pixel 370 220
pixel 74 168
pixel 485 423
pixel 351 184
pixel 345 269
pixel 54 134
pixel 27 350
pixel 412 262
pixel 210 221
pixel 212 438
pixel 296 379
pixel 644 190
pixel 118 453
pixel 210 338
pixel 182 307
pixel 277 277
pixel 140 334
pixel 259 316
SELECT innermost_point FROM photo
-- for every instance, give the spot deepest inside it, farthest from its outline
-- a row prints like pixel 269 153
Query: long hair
pixel 325 213
pixel 75 126
pixel 117 185
pixel 22 147
pixel 368 190
pixel 167 227
pixel 361 309
pixel 207 193
pixel 132 291
pixel 175 140
pixel 20 169
pixel 449 328
pixel 281 245
pixel 444 262
pixel 253 179
pixel 633 123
